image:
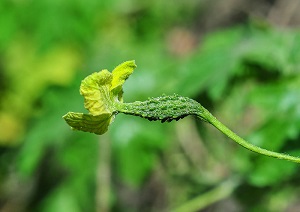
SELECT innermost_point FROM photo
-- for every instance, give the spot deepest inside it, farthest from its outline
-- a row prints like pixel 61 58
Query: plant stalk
pixel 216 123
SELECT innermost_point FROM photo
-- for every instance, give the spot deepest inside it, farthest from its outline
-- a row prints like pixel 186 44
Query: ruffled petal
pixel 101 91
pixel 89 123
pixel 95 89
pixel 120 75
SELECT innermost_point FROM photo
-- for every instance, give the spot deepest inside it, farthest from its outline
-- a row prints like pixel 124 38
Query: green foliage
pixel 247 75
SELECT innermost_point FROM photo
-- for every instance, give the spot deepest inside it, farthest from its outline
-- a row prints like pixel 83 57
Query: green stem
pixel 215 122
pixel 168 108
pixel 222 191
pixel 164 109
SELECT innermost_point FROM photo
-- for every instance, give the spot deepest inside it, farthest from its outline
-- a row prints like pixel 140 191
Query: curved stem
pixel 222 191
pixel 215 122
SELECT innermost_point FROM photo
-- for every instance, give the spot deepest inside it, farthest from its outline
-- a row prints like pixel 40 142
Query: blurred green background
pixel 240 59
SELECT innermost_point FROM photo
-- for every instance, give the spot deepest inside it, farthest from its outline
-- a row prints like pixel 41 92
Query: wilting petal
pixel 120 74
pixel 95 89
pixel 89 123
pixel 102 92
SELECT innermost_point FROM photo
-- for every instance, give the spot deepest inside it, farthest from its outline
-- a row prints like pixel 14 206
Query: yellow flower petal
pixel 102 91
pixel 89 123
pixel 120 74
pixel 96 92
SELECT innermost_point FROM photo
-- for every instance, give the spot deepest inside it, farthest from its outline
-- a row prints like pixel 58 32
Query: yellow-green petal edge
pixel 102 91
pixel 89 123
pixel 96 92
pixel 120 75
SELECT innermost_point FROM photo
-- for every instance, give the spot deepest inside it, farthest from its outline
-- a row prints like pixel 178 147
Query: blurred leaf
pixel 29 77
pixel 61 199
pixel 226 54
pixel 269 171
pixel 214 64
pixel 136 147
pixel 274 50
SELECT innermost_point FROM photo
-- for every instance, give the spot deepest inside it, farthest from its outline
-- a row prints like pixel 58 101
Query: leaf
pixel 213 65
pixel 269 171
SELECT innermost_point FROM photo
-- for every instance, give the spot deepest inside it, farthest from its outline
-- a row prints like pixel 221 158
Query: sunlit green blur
pixel 237 58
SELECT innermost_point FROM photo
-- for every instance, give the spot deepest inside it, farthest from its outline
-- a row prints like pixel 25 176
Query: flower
pixel 101 91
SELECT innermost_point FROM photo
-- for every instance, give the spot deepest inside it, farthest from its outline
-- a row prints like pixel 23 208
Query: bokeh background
pixel 240 59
